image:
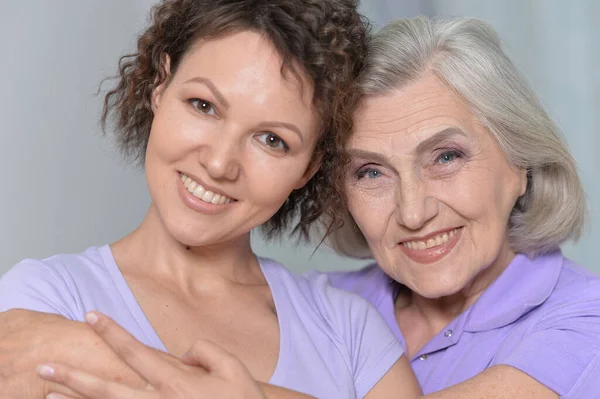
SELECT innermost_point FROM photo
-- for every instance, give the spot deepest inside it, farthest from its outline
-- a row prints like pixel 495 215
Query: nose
pixel 221 157
pixel 414 206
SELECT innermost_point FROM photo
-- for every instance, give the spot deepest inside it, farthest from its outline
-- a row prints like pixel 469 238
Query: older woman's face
pixel 431 190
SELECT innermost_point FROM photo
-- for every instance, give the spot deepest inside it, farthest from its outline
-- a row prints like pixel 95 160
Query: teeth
pixel 432 242
pixel 208 196
pixel 199 191
pixel 205 195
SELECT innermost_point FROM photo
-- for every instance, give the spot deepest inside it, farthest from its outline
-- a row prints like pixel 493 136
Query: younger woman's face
pixel 231 138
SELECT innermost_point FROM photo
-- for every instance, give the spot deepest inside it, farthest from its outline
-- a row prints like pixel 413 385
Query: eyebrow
pixel 370 155
pixel 421 147
pixel 437 138
pixel 211 86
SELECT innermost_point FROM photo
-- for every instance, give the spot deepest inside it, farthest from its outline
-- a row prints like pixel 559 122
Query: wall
pixel 64 188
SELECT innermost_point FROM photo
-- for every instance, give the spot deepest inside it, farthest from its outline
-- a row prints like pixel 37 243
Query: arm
pixel 37 306
pixel 399 383
pixel 497 382
pixel 205 371
pixel 379 366
pixel 28 338
pixel 46 332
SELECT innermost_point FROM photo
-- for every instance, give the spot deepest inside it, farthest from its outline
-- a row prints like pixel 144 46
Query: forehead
pixel 412 113
pixel 251 61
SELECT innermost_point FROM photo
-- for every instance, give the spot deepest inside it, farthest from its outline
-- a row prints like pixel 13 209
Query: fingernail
pixel 45 371
pixel 91 317
pixel 54 396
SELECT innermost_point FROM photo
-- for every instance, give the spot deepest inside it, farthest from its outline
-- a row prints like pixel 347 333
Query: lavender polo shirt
pixel 541 316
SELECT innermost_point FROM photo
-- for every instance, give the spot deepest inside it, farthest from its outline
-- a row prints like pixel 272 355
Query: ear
pixel 522 181
pixel 312 168
pixel 159 90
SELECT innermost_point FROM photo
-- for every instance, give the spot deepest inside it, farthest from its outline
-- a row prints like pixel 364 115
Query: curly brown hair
pixel 323 40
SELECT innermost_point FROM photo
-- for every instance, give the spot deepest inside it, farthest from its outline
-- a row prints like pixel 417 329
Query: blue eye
pixel 203 106
pixel 369 173
pixel 448 156
pixel 273 141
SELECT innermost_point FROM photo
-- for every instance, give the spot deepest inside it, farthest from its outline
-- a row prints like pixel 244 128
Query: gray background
pixel 64 188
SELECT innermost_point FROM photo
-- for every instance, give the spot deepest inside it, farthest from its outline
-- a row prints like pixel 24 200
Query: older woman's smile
pixel 433 247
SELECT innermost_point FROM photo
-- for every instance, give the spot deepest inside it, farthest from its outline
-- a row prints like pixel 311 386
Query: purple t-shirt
pixel 333 344
pixel 541 316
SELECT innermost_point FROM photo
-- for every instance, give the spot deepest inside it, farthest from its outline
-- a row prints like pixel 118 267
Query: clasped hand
pixel 205 371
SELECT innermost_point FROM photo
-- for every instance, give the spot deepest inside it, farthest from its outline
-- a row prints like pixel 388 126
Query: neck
pixel 151 252
pixel 436 313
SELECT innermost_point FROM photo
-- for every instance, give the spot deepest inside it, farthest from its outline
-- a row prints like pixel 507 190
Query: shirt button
pixel 448 333
pixel 423 357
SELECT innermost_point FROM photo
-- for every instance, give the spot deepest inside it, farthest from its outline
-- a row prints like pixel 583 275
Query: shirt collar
pixel 525 284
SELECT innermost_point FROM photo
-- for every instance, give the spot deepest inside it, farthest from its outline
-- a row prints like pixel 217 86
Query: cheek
pixel 468 193
pixel 176 131
pixel 371 212
pixel 272 181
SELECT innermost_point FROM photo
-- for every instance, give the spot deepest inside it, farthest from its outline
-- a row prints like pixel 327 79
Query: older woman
pixel 462 190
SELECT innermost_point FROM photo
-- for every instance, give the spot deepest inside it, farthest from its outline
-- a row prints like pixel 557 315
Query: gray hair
pixel 466 54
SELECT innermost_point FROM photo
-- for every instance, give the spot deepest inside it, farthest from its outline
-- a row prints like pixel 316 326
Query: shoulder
pixel 370 282
pixel 348 323
pixel 573 274
pixel 52 284
pixel 314 288
pixel 317 292
pixel 72 268
pixel 558 342
pixel 576 294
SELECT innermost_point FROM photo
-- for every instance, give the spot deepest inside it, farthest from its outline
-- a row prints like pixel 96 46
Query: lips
pixel 198 191
pixel 431 242
pixel 433 247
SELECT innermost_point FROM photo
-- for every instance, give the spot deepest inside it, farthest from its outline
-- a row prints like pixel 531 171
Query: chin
pixel 189 235
pixel 437 287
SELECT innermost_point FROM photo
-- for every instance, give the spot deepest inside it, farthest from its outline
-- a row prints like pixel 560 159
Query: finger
pixel 145 361
pixel 55 395
pixel 28 385
pixel 214 359
pixel 59 389
pixel 89 386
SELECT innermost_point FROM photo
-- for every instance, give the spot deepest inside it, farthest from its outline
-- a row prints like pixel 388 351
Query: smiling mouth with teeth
pixel 438 240
pixel 203 194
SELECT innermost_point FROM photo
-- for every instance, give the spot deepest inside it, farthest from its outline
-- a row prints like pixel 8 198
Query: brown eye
pixel 203 106
pixel 273 141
